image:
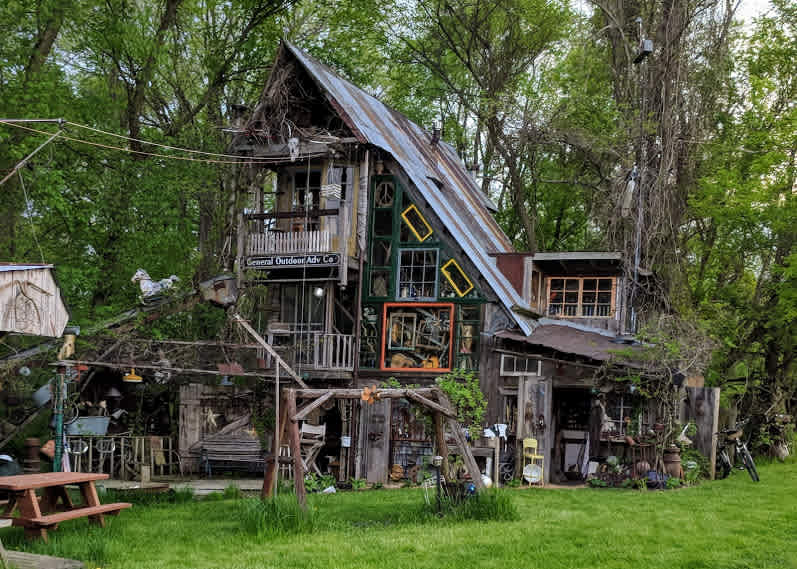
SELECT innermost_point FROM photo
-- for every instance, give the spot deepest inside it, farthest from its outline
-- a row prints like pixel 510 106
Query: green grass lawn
pixel 724 524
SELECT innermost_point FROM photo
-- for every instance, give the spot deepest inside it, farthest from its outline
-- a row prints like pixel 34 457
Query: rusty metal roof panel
pixel 568 340
pixel 457 199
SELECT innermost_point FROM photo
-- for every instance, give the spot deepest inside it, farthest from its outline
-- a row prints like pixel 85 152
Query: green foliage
pixel 463 390
pixel 488 505
pixel 316 483
pixel 275 517
pixel 358 483
pixel 597 483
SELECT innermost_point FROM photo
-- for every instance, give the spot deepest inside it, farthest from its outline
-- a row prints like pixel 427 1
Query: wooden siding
pixel 30 303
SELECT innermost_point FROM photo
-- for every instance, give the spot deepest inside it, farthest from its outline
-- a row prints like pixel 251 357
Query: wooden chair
pixel 530 456
pixel 311 441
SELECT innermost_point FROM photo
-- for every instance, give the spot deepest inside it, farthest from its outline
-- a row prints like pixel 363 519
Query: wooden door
pixel 375 439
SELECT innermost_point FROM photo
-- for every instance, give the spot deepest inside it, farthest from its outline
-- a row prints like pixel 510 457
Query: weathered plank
pixel 296 452
pixel 356 393
pixel 307 409
pixel 246 326
pixel 436 407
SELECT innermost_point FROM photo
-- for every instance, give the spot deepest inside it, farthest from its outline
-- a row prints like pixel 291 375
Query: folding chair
pixel 311 441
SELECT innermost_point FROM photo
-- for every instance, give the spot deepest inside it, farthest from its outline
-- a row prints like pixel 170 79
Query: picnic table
pixel 38 514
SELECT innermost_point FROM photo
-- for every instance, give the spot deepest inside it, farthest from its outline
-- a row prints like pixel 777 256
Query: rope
pixel 30 217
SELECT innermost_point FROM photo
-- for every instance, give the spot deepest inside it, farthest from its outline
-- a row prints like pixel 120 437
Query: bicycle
pixel 723 464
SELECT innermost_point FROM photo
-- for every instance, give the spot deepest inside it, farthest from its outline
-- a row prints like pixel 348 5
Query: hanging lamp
pixel 132 377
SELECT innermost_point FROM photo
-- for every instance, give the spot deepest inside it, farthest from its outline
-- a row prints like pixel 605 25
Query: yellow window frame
pixel 447 274
pixel 415 232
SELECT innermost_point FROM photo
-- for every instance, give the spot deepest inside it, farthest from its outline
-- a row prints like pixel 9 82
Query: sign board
pixel 289 261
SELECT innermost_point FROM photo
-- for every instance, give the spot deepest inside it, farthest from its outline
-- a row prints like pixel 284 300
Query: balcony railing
pixel 279 243
pixel 316 351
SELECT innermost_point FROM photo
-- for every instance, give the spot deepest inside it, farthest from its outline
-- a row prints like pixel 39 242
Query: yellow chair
pixel 530 456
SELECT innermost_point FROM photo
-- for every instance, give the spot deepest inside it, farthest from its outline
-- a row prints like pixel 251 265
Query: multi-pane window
pixel 417 278
pixel 512 365
pixel 581 297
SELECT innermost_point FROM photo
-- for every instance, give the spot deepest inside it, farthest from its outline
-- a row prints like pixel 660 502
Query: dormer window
pixel 581 297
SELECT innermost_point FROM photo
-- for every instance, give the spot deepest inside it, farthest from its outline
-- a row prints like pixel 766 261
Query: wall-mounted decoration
pixel 384 194
pixel 457 278
pixel 417 223
pixel 417 336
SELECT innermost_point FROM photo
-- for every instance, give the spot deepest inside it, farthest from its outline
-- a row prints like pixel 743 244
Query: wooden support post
pixel 456 430
pixel 440 441
pixel 296 451
pixel 272 466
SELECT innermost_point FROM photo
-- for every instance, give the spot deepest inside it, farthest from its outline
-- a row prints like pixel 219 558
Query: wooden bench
pixel 91 512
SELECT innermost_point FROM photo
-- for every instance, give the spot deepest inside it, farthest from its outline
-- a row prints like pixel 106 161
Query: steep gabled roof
pixel 436 171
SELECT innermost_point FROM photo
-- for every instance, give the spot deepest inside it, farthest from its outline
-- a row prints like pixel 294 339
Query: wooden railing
pixel 314 350
pixel 274 242
pixel 122 456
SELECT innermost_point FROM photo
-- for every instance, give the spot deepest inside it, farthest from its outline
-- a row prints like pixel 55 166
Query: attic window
pixel 460 282
pixel 581 297
pixel 417 223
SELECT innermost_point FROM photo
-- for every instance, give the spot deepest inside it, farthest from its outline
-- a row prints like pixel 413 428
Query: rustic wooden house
pixel 30 300
pixel 382 260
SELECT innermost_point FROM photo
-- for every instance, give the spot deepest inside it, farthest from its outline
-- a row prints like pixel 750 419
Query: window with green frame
pixel 407 262
pixel 466 338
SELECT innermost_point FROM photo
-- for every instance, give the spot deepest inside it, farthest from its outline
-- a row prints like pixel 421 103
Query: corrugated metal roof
pixel 570 340
pixel 436 171
pixel 6 267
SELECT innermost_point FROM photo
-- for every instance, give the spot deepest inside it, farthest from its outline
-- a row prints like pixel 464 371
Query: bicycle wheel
pixel 723 465
pixel 747 459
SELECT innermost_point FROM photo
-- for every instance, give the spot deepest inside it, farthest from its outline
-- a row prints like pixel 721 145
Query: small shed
pixel 30 300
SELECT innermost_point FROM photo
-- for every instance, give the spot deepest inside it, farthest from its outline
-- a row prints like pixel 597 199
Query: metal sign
pixel 288 261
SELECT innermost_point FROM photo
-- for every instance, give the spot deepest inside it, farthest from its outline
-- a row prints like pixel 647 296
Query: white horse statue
pixel 151 288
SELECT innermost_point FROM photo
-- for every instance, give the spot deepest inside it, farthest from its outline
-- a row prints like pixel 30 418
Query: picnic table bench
pixel 38 515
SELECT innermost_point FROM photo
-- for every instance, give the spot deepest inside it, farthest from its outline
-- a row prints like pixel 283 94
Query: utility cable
pixel 253 160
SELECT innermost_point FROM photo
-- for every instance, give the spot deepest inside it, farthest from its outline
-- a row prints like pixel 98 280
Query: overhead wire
pixel 251 160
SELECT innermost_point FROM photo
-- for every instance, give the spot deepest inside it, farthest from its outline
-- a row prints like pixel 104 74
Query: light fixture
pixel 318 292
pixel 132 377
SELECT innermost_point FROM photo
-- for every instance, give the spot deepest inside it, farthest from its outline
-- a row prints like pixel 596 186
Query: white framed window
pixel 417 274
pixel 581 297
pixel 512 365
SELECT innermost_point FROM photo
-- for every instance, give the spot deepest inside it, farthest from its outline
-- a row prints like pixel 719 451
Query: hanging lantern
pixel 132 377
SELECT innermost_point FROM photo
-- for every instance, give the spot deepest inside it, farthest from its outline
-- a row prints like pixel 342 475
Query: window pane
pixel 571 284
pixel 605 284
pixel 557 284
pixel 604 298
pixel 588 298
pixel 383 223
pixel 571 297
pixel 590 284
pixel 379 283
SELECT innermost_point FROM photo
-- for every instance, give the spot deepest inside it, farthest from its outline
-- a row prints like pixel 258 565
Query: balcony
pixel 277 242
pixel 313 351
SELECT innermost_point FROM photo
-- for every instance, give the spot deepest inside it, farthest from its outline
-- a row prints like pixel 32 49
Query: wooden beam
pixel 343 393
pixel 418 398
pixel 296 450
pixel 246 326
pixel 139 365
pixel 298 214
pixel 307 409
pixel 467 455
